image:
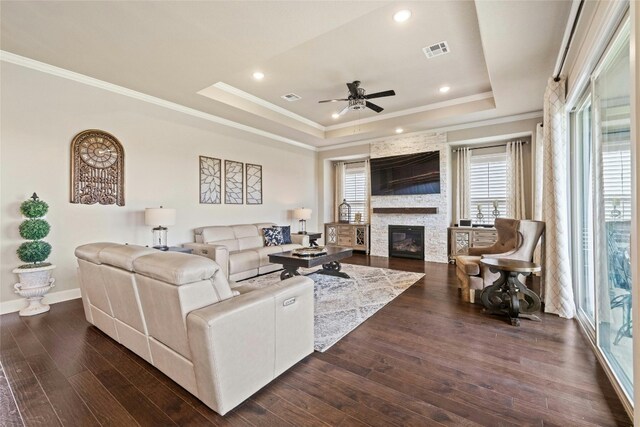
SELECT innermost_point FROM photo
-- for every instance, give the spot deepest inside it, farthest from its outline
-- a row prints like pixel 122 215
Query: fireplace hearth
pixel 406 241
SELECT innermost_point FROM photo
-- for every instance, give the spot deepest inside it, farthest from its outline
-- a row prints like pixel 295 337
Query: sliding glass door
pixel 602 209
pixel 612 208
pixel 583 218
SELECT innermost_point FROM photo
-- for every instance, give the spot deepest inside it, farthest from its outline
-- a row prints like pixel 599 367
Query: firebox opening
pixel 406 241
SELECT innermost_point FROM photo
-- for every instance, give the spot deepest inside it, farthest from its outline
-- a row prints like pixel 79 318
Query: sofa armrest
pixel 239 345
pixel 218 253
pixel 301 239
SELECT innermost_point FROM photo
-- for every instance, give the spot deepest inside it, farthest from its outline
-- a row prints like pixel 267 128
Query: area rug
pixel 343 304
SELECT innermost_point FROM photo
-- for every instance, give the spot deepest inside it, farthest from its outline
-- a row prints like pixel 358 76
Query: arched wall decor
pixel 97 169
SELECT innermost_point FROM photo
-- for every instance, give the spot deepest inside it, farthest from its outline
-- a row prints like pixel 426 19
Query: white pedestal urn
pixel 34 284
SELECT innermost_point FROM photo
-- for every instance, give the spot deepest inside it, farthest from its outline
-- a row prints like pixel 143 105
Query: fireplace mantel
pixel 409 211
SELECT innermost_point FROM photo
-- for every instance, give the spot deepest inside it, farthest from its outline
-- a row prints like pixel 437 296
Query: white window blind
pixel 355 189
pixel 616 180
pixel 488 186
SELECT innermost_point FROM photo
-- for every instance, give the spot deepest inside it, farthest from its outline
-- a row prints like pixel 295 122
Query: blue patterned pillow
pixel 272 236
pixel 286 233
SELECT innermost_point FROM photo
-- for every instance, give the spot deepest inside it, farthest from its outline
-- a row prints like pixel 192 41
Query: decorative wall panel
pixel 254 184
pixel 233 183
pixel 210 180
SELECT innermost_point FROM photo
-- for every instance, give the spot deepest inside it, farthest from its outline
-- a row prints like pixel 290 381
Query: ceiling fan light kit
pixel 358 99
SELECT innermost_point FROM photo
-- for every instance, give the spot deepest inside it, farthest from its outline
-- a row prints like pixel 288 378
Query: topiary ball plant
pixel 34 252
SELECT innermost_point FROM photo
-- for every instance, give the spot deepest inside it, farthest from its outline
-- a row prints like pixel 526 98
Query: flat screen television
pixel 407 174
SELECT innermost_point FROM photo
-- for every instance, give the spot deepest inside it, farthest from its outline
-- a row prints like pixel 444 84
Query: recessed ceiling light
pixel 402 15
pixel 258 75
pixel 335 115
pixel 444 89
pixel 399 130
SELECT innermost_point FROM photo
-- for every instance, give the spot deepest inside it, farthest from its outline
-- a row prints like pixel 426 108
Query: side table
pixel 313 237
pixel 508 295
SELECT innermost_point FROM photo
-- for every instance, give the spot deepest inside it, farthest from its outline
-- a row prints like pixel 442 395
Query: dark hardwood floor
pixel 425 359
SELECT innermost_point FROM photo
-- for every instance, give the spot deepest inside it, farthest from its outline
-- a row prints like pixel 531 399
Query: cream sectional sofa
pixel 240 249
pixel 178 312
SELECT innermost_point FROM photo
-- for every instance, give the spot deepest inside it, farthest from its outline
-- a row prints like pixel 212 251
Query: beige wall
pixel 325 177
pixel 472 135
pixel 41 114
pixel 496 134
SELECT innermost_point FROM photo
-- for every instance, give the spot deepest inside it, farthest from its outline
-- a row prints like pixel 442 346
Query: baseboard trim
pixel 52 298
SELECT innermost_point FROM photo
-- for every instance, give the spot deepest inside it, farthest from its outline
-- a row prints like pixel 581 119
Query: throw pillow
pixel 286 233
pixel 272 236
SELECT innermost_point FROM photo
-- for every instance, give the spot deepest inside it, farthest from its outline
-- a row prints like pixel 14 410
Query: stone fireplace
pixel 429 211
pixel 406 241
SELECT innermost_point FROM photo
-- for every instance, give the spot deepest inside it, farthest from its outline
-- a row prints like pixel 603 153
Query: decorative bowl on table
pixel 310 252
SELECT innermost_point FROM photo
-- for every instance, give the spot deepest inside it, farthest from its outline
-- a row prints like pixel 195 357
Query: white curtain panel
pixel 558 293
pixel 537 175
pixel 463 199
pixel 338 188
pixel 538 172
pixel 367 171
pixel 515 180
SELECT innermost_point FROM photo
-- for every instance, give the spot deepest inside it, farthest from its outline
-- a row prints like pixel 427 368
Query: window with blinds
pixel 355 189
pixel 616 180
pixel 488 187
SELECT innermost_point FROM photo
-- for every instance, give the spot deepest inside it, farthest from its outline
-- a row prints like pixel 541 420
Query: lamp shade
pixel 302 213
pixel 159 216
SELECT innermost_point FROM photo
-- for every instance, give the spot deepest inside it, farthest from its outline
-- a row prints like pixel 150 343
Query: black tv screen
pixel 407 174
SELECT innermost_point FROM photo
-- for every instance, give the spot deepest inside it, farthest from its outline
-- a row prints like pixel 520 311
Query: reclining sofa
pixel 240 249
pixel 179 313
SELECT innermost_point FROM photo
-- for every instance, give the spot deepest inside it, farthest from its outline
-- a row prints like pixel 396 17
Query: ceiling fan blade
pixel 353 89
pixel 380 94
pixel 374 107
pixel 333 100
pixel 344 110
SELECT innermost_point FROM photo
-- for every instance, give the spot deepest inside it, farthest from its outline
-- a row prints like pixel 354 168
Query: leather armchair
pixel 517 239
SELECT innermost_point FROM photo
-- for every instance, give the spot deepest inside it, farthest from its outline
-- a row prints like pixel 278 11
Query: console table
pixel 508 295
pixel 463 238
pixel 354 236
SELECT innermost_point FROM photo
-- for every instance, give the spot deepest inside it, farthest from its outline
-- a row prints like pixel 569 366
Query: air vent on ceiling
pixel 291 97
pixel 436 49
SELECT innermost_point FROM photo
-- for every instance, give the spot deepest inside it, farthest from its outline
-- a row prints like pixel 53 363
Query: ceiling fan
pixel 358 98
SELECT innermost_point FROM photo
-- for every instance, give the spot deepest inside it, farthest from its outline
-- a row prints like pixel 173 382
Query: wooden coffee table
pixel 330 262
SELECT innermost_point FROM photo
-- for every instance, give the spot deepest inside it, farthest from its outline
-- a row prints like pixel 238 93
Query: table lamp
pixel 302 214
pixel 160 218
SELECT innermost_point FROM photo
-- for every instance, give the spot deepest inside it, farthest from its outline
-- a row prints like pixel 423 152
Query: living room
pixel 171 88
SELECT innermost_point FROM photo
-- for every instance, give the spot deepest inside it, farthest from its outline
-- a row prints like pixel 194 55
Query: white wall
pixel 40 115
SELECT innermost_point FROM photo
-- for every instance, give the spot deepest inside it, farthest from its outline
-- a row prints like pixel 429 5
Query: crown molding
pixel 470 125
pixel 266 104
pixel 90 81
pixel 429 107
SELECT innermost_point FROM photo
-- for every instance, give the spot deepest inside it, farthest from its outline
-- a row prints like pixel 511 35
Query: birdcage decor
pixel 344 212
